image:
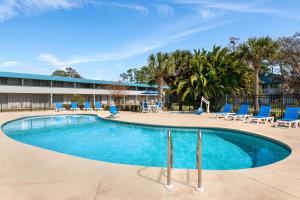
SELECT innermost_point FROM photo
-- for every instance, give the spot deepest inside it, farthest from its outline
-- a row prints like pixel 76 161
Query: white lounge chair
pixel 241 114
pixel 262 116
pixel 226 111
pixel 291 116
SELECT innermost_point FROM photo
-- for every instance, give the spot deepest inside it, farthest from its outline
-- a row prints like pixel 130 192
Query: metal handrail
pixel 199 161
pixel 170 160
pixel 207 103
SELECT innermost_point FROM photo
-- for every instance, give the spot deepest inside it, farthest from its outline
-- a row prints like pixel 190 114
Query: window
pixel 44 83
pixel 3 81
pixel 57 84
pixel 14 81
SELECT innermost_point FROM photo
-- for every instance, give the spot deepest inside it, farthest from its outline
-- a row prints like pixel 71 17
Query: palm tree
pixel 214 74
pixel 182 67
pixel 160 67
pixel 257 52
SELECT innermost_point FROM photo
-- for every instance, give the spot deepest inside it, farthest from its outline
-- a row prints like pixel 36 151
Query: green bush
pixel 77 98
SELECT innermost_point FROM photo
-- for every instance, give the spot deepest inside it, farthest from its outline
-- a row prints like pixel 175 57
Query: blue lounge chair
pixel 59 107
pixel 145 107
pixel 241 114
pixel 263 115
pixel 199 111
pixel 291 116
pixel 158 107
pixel 226 111
pixel 74 106
pixel 98 106
pixel 113 111
pixel 87 106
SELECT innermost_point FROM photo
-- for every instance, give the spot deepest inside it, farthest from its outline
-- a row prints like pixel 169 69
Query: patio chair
pixel 145 107
pixel 74 106
pixel 262 116
pixel 226 111
pixel 158 107
pixel 291 116
pixel 87 106
pixel 241 114
pixel 199 111
pixel 98 106
pixel 59 107
pixel 113 111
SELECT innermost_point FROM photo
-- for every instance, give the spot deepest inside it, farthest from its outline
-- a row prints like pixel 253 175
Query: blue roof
pixel 70 79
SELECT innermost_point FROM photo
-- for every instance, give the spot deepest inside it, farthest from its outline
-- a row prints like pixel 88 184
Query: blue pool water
pixel 91 137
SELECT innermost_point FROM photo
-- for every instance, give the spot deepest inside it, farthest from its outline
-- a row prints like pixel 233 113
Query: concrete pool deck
pixel 32 173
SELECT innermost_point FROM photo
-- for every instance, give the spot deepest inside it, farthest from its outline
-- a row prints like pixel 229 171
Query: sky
pixel 102 39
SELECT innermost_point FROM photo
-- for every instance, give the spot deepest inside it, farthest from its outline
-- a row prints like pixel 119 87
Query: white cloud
pixel 165 9
pixel 239 7
pixel 13 8
pixel 233 6
pixel 206 13
pixel 8 64
pixel 133 6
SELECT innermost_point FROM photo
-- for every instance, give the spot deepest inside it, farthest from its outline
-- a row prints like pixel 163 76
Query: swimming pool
pixel 91 137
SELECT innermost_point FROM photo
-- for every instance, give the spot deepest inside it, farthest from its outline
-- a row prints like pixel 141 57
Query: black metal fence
pixel 278 102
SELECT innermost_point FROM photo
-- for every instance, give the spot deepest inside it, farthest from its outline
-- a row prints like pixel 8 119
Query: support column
pixel 136 99
pixel 124 100
pixel 51 100
pixel 94 99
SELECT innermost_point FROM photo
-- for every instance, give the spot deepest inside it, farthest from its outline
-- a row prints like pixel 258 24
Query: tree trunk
pixel 256 89
pixel 180 101
pixel 161 83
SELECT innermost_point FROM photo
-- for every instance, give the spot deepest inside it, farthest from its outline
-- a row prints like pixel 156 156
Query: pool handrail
pixel 170 160
pixel 199 161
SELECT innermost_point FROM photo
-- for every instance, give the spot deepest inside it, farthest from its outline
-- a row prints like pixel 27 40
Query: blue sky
pixel 102 39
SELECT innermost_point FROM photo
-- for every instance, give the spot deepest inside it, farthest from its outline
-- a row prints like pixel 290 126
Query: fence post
pixel 282 104
pixel 45 103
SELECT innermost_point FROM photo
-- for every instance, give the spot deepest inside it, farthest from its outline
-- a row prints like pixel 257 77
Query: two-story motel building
pixel 24 91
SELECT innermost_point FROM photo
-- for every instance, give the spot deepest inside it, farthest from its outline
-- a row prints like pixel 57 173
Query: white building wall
pixel 34 97
pixel 54 90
